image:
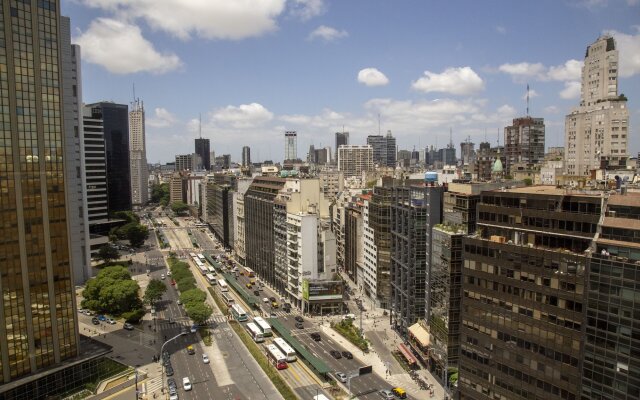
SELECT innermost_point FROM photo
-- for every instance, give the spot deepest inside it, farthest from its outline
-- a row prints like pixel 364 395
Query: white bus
pixel 229 301
pixel 201 257
pixel 249 272
pixel 211 279
pixel 211 270
pixel 265 328
pixel 239 314
pixel 223 285
pixel 277 358
pixel 255 333
pixel 287 350
pixel 192 255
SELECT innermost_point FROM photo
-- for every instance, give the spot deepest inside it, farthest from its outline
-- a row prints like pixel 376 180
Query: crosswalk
pixel 153 385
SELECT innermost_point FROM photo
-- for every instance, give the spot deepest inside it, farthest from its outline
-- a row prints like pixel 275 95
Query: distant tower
pixel 138 155
pixel 342 139
pixel 246 156
pixel 202 150
pixel 290 145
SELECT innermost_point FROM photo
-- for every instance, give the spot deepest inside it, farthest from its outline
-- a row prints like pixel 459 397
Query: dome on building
pixel 497 166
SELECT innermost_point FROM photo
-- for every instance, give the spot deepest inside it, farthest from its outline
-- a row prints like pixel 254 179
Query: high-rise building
pixel 596 132
pixel 220 211
pixel 524 142
pixel 246 156
pixel 342 139
pixel 115 123
pixel 185 162
pixel 202 150
pixel 39 322
pixel 138 155
pixel 354 159
pixel 384 149
pixel 290 146
pixel 467 152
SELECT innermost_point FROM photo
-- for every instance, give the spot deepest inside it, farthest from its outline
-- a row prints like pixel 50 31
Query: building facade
pixel 342 139
pixel 290 145
pixel 355 159
pixel 246 156
pixel 596 131
pixel 384 149
pixel 202 150
pixel 138 155
pixel 524 142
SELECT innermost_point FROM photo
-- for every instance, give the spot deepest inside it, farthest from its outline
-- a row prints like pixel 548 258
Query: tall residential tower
pixel 138 155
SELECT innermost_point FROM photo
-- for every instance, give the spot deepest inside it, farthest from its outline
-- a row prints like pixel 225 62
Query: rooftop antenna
pixel 450 138
pixel 200 124
pixel 378 123
pixel 485 134
pixel 527 99
pixel 498 137
pixel 134 92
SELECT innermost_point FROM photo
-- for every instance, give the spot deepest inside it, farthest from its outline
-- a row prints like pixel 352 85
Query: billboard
pixel 322 290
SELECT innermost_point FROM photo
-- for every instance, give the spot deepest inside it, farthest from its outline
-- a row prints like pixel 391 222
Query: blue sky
pixel 255 68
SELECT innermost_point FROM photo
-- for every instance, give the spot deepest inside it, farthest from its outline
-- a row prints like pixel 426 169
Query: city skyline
pixel 416 78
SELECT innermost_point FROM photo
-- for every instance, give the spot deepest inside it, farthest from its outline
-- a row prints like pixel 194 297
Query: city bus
pixel 249 272
pixel 203 270
pixel 276 357
pixel 223 285
pixel 284 347
pixel 239 314
pixel 265 328
pixel 255 333
pixel 201 257
pixel 211 279
pixel 192 255
pixel 211 270
pixel 229 301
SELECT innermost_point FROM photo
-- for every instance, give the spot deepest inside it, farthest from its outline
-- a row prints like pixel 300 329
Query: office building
pixel 596 131
pixel 187 162
pixel 416 207
pixel 202 150
pixel 290 146
pixel 524 143
pixel 115 124
pixel 354 239
pixel 138 155
pixel 355 159
pixel 447 155
pixel 331 183
pixel 342 139
pixel 384 149
pixel 240 225
pixel 246 156
pixel 467 152
pixel 40 327
pixel 523 293
pixel 220 210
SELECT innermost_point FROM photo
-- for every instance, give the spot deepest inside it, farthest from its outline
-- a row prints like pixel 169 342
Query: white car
pixel 186 383
pixel 265 300
pixel 205 358
pixel 111 321
pixel 342 377
pixel 168 273
pixel 162 276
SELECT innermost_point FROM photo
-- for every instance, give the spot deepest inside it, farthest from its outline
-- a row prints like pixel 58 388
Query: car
pixel 275 304
pixel 316 336
pixel 249 286
pixel 168 370
pixel 165 355
pixel 347 355
pixel 386 394
pixel 95 321
pixel 179 302
pixel 272 299
pixel 256 293
pixel 171 383
pixel 341 376
pixel 299 325
pixel 205 358
pixel 265 300
pixel 193 329
pixel 111 321
pixel 81 310
pixel 399 392
pixel 349 316
pixel 273 315
pixel 299 318
pixel 102 317
pixel 168 273
pixel 286 307
pixel 186 384
pixel 191 350
pixel 173 396
pixel 162 276
pixel 128 326
pixel 335 354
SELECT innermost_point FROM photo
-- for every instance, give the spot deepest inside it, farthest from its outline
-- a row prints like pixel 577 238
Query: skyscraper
pixel 202 149
pixel 524 142
pixel 342 139
pixel 597 130
pixel 246 156
pixel 384 149
pixel 39 326
pixel 115 122
pixel 290 145
pixel 138 155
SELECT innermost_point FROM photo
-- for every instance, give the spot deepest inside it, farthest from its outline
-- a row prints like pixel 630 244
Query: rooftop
pixel 552 191
pixel 628 199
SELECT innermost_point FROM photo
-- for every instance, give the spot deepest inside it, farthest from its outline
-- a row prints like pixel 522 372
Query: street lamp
pixel 162 361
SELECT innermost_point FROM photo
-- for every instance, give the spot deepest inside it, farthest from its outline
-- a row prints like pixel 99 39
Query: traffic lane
pixel 188 365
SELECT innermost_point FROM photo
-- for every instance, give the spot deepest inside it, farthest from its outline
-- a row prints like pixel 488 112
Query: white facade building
pixel 355 159
pixel 138 155
pixel 370 255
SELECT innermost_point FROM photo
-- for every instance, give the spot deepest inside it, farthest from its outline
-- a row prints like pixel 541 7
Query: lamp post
pixel 162 361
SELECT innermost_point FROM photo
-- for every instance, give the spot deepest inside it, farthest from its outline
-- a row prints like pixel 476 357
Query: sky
pixel 252 69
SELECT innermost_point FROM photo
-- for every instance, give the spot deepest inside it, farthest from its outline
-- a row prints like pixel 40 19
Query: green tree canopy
pixel 154 291
pixel 179 207
pixel 160 194
pixel 193 296
pixel 137 234
pixel 199 312
pixel 112 291
pixel 108 253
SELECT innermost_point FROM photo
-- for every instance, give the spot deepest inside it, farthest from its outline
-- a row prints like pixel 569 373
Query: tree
pixel 199 312
pixel 137 234
pixel 108 253
pixel 179 207
pixel 155 290
pixel 112 291
pixel 193 296
pixel 160 194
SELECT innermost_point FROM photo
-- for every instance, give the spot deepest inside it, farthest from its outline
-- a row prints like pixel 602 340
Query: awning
pixel 407 353
pixel 420 334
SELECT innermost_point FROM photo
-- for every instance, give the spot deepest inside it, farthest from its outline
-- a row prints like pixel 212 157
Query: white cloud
pixel 569 71
pixel 532 94
pixel 209 19
pixel 163 118
pixel 306 9
pixel 551 110
pixel 121 49
pixel 571 90
pixel 243 116
pixel 372 77
pixel 628 52
pixel 523 70
pixel 327 33
pixel 458 81
pixel 501 29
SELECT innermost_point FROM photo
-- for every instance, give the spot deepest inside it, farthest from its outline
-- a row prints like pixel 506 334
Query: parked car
pixel 171 383
pixel 173 396
pixel 193 329
pixel 275 304
pixel 299 318
pixel 205 358
pixel 386 394
pixel 168 370
pixel 111 321
pixel 191 350
pixel 316 336
pixel 265 300
pixel 399 392
pixel 128 326
pixel 162 276
pixel 256 293
pixel 102 317
pixel 299 325
pixel 341 376
pixel 347 355
pixel 272 299
pixel 95 321
pixel 336 354
pixel 186 384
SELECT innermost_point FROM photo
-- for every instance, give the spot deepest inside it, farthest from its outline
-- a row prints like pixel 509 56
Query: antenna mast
pixel 527 99
pixel 200 124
